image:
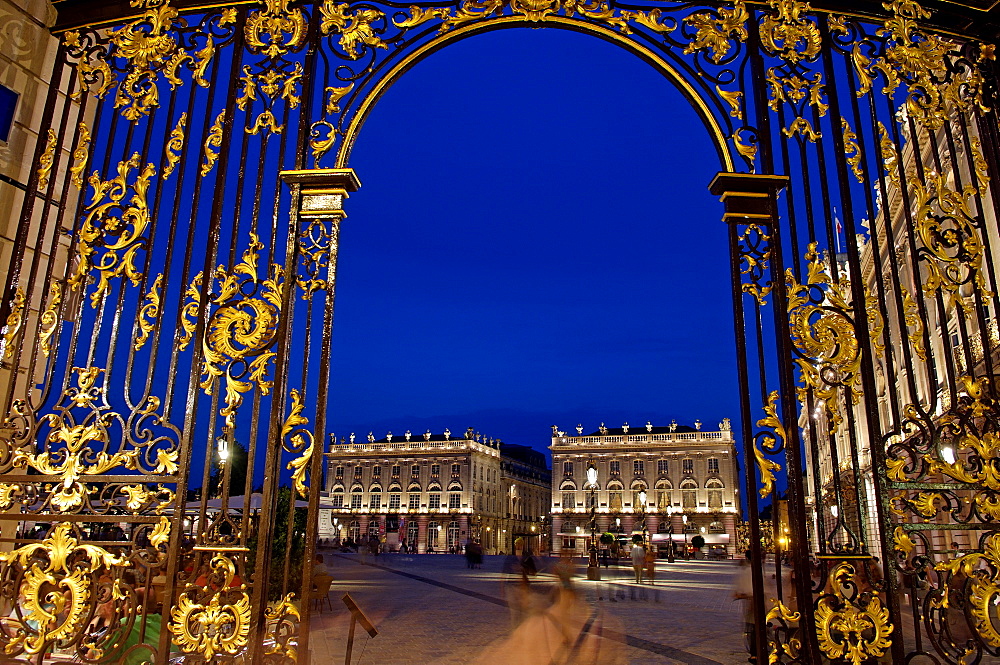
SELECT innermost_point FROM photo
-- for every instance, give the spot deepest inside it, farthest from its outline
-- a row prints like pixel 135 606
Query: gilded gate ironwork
pixel 192 177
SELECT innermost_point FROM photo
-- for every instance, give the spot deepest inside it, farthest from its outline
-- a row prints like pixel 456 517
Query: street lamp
pixel 685 518
pixel 223 447
pixel 593 570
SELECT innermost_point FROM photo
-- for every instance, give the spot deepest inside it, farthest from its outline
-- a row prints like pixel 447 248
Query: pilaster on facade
pixel 689 475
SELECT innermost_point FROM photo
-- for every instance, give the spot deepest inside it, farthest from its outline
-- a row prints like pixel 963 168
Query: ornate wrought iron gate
pixel 184 242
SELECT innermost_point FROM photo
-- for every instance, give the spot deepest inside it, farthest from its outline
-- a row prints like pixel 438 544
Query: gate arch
pixel 151 320
pixel 699 100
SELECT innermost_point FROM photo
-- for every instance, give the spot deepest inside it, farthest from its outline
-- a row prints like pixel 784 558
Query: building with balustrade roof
pixel 433 492
pixel 690 476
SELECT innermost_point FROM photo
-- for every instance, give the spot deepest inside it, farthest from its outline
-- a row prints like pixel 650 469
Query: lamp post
pixel 685 518
pixel 222 445
pixel 593 570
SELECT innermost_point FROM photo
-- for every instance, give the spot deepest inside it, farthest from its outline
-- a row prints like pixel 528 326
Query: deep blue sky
pixel 533 245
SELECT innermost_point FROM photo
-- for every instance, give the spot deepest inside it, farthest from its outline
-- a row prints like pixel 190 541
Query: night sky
pixel 534 244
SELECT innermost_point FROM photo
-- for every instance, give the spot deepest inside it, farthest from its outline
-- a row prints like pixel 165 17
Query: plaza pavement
pixel 431 609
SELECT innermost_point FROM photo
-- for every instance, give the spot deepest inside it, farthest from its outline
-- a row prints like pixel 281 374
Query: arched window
pixel 663 527
pixel 663 495
pixel 716 527
pixel 453 535
pixel 614 496
pixel 354 531
pixel 433 532
pixel 689 494
pixel 412 533
pixel 637 488
pixel 715 488
pixel 568 526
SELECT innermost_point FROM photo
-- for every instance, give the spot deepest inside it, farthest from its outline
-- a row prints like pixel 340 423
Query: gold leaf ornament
pixel 852 150
pixel 15 321
pixel 768 467
pixel 285 28
pixel 80 156
pixel 46 160
pixel 717 33
pixel 214 140
pixel 56 587
pixel 175 145
pixel 355 28
pixel 50 318
pixel 300 465
pixel 845 630
pixel 120 236
pixel 220 627
pixel 149 312
pixel 788 34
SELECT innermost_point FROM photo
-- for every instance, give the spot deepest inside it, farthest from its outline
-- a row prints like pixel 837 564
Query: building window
pixel 435 470
pixel 663 499
pixel 614 501
pixel 713 464
pixel 375 503
pixel 357 473
pixel 567 468
pixel 636 502
pixel 689 496
pixel 688 465
pixel 454 500
pixel 662 467
pixel 569 500
pixel 376 472
pixel 338 500
pixel 355 502
pixel 414 501
pixel 395 471
pixel 393 502
pixel 569 543
pixel 714 493
pixel 8 103
pixel 716 527
pixel 340 472
pixel 456 470
pixel 615 467
pixel 434 502
pixel 415 470
pixel 638 467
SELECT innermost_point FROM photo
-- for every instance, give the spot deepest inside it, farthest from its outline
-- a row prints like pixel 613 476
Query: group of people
pixel 643 563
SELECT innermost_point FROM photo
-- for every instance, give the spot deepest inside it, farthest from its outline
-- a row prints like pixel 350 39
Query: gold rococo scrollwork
pixel 300 440
pixel 847 631
pixel 222 626
pixel 768 467
pixel 285 28
pixel 15 321
pixel 716 32
pixel 56 586
pixel 120 236
pixel 240 330
pixel 980 572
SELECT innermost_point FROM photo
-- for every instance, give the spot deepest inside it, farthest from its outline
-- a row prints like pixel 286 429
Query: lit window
pixel 454 500
pixel 456 469
pixel 615 467
pixel 357 473
pixel 568 499
pixel 355 501
pixel 376 502
pixel 395 471
pixel 338 500
pixel 340 472
pixel 393 502
pixel 662 467
pixel 414 501
pixel 638 467
pixel 688 465
pixel 567 468
pixel 376 472
pixel 435 501
pixel 415 470
pixel 713 464
pixel 435 469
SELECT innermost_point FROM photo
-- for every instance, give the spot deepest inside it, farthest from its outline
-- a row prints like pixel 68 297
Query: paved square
pixel 431 609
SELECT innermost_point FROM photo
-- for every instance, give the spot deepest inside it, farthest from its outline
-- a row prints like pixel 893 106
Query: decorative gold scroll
pixel 57 585
pixel 46 160
pixel 755 252
pixel 49 321
pixel 80 156
pixel 848 631
pixel 120 236
pixel 15 321
pixel 214 140
pixel 240 330
pixel 149 312
pixel 768 467
pixel 276 21
pixel 914 323
pixel 788 34
pixel 175 145
pixel 302 440
pixel 980 574
pixel 221 626
pixel 716 33
pixel 852 150
pixel 358 25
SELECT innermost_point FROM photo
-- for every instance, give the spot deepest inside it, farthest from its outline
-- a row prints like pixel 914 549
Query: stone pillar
pixel 729 521
pixel 628 524
pixel 363 521
pixel 463 530
pixel 422 533
pixel 556 538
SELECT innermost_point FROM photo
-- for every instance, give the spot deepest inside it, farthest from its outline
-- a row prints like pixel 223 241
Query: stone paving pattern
pixel 431 609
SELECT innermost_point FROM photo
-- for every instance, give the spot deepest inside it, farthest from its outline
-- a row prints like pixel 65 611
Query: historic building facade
pixel 690 476
pixel 433 492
